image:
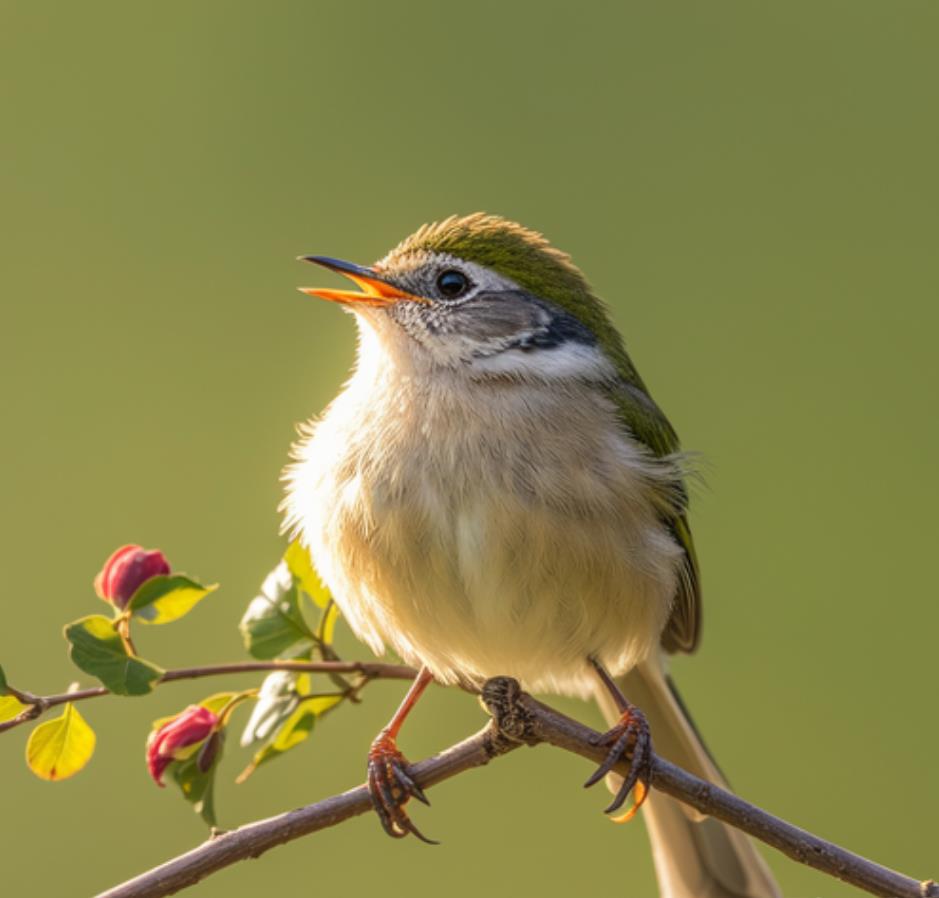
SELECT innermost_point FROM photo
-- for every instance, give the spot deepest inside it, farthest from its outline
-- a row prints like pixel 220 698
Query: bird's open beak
pixel 375 290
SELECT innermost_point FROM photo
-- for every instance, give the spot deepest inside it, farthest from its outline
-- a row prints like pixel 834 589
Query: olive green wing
pixel 646 422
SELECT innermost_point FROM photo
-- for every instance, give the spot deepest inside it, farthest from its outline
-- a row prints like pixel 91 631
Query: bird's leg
pixel 629 739
pixel 389 784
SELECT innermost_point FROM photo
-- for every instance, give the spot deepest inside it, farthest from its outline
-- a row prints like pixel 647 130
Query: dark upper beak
pixel 375 289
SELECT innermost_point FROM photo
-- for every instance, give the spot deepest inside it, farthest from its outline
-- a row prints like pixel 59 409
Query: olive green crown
pixel 525 257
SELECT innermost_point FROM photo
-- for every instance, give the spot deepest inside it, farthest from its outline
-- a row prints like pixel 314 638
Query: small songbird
pixel 495 493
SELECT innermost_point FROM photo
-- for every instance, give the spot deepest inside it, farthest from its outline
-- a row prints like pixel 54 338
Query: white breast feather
pixel 485 528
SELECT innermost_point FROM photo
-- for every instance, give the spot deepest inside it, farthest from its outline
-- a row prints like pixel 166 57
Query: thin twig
pixel 519 719
pixel 555 729
pixel 39 704
pixel 256 838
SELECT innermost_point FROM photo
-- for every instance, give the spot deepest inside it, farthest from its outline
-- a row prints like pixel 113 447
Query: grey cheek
pixel 498 318
pixel 481 325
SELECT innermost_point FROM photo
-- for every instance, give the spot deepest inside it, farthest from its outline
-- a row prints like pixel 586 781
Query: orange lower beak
pixel 375 291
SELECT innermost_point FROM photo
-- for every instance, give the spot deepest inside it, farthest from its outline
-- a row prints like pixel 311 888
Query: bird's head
pixel 486 296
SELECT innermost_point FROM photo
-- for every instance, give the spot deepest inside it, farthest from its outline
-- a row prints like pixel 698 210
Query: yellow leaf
pixel 165 598
pixel 299 564
pixel 10 707
pixel 217 701
pixel 322 704
pixel 327 627
pixel 58 749
pixel 297 727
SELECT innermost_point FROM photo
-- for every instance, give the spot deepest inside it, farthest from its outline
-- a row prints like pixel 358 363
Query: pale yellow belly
pixel 490 551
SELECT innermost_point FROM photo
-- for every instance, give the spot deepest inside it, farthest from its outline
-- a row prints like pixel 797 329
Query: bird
pixel 494 492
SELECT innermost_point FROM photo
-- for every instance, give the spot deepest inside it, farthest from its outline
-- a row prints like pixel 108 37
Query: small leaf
pixel 10 707
pixel 322 704
pixel 97 649
pixel 166 598
pixel 4 688
pixel 295 729
pixel 278 697
pixel 217 701
pixel 197 785
pixel 273 622
pixel 58 749
pixel 299 563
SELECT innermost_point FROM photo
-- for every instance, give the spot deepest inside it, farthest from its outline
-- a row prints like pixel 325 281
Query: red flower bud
pixel 175 740
pixel 126 570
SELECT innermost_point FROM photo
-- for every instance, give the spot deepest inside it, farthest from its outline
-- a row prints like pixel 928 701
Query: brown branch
pixel 256 838
pixel 518 719
pixel 37 705
pixel 554 728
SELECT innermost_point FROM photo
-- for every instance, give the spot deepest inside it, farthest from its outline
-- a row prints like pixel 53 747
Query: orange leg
pixel 628 740
pixel 389 784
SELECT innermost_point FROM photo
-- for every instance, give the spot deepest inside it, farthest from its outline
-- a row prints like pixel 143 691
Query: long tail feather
pixel 694 856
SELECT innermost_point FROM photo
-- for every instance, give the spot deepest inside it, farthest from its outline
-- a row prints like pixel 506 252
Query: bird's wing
pixel 646 422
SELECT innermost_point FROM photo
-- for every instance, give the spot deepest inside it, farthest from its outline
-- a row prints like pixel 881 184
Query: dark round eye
pixel 452 283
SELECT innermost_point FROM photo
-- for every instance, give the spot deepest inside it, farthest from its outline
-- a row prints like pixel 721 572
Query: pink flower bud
pixel 174 740
pixel 126 570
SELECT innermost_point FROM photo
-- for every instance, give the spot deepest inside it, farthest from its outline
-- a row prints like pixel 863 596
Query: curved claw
pixel 409 785
pixel 411 828
pixel 390 787
pixel 638 798
pixel 628 740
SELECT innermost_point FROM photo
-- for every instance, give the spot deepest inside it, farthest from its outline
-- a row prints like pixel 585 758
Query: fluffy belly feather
pixel 480 549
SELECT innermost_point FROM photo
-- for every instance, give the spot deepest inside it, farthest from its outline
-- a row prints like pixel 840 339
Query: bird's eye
pixel 452 283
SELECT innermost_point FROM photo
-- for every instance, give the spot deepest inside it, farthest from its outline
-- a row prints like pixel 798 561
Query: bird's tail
pixel 695 856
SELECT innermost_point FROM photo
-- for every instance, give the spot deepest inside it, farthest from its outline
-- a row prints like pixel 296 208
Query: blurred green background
pixel 753 187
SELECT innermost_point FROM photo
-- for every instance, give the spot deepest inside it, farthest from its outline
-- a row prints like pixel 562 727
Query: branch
pixel 256 838
pixel 39 704
pixel 518 719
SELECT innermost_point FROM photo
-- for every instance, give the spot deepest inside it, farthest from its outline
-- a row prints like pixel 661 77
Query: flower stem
pixel 123 630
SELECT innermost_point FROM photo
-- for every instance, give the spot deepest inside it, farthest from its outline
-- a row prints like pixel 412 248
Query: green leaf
pixel 4 688
pixel 96 648
pixel 295 729
pixel 273 622
pixel 197 785
pixel 166 598
pixel 299 563
pixel 10 707
pixel 58 749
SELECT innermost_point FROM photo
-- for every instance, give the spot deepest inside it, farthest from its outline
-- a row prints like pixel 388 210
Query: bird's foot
pixel 628 740
pixel 390 786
